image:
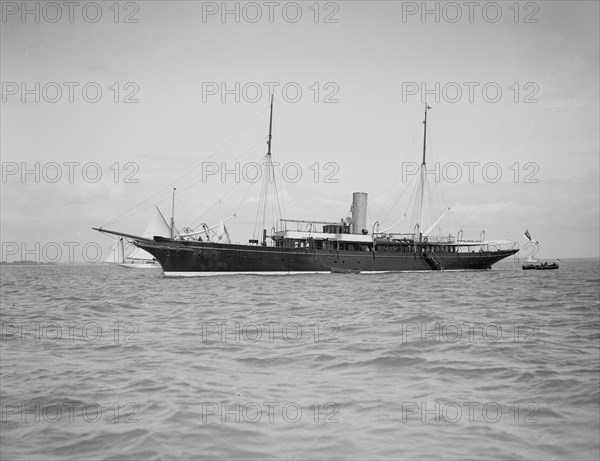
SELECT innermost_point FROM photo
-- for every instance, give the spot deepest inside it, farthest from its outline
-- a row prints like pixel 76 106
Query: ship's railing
pixel 388 236
pixel 302 225
pixel 466 246
pixel 413 238
pixel 439 239
pixel 499 245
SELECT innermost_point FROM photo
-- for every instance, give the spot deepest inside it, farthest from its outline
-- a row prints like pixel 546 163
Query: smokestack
pixel 359 212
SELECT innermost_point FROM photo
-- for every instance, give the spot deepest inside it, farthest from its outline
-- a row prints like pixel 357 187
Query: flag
pixel 527 235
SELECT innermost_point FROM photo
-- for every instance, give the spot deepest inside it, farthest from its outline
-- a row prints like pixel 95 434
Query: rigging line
pixel 280 153
pixel 228 192
pixel 118 218
pixel 274 213
pixel 439 189
pixel 281 200
pixel 276 190
pixel 431 204
pixel 398 199
pixel 223 197
pixel 219 200
pixel 399 171
pixel 416 189
pixel 258 213
pixel 261 201
pixel 419 198
pixel 242 154
pixel 275 205
pixel 141 210
pixel 245 226
pixel 275 199
pixel 267 187
pixel 441 198
pixel 250 148
pixel 243 200
pixel 280 203
pixel 456 219
pixel 214 204
pixel 129 214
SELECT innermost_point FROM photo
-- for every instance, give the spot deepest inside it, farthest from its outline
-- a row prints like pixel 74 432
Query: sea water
pixel 102 362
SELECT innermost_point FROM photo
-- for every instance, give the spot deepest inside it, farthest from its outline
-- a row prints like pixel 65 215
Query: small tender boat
pixel 540 267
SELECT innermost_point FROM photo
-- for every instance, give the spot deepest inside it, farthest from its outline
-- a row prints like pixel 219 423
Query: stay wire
pixel 129 212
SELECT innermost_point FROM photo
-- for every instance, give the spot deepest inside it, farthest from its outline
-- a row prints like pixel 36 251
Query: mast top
pixel 427 107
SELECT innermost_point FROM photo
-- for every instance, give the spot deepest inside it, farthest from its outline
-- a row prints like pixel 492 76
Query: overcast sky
pixel 514 124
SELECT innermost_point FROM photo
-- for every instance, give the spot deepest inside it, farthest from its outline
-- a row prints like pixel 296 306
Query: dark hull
pixel 188 257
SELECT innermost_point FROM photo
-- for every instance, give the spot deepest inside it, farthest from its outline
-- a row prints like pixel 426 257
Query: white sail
pixel 116 254
pixel 157 226
pixel 222 234
pixel 140 254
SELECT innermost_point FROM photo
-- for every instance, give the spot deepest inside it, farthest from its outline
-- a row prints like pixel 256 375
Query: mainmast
pixel 172 226
pixel 423 172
